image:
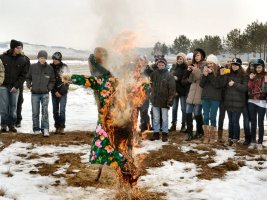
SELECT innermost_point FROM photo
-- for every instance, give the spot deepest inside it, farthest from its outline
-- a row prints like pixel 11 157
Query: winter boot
pixel 189 122
pixel 155 136
pixel 173 127
pixel 206 129
pixel 199 121
pixel 183 128
pixel 220 136
pixel 164 137
pixel 212 134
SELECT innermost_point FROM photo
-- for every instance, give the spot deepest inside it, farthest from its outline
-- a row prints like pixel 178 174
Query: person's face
pixel 235 67
pixel 251 67
pixel 18 50
pixel 161 65
pixel 42 60
pixel 189 61
pixel 259 69
pixel 228 62
pixel 180 60
pixel 198 57
pixel 56 62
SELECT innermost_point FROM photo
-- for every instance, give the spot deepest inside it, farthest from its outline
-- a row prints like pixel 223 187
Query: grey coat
pixel 40 78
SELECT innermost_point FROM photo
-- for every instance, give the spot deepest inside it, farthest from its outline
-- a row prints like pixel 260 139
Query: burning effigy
pixel 117 102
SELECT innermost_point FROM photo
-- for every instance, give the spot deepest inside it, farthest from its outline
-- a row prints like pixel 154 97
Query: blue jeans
pixel 156 119
pixel 197 108
pixel 59 110
pixel 210 109
pixel 256 112
pixel 234 127
pixel 175 108
pixel 246 122
pixel 38 99
pixel 8 107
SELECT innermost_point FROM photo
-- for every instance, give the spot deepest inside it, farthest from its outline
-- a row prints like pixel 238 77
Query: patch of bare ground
pixel 69 138
pixel 2 192
pixel 127 193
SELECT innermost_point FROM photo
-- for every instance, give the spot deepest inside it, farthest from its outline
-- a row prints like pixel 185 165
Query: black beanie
pixel 15 43
pixel 43 54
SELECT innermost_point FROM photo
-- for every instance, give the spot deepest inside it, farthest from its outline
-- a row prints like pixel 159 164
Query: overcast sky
pixel 84 24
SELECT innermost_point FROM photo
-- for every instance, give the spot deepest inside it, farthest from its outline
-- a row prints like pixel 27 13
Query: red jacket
pixel 255 88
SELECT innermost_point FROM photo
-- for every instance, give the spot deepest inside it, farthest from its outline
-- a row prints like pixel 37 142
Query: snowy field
pixel 20 161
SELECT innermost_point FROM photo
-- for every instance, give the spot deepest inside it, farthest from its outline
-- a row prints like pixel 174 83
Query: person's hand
pixel 209 70
pixel 231 83
pixel 222 71
pixel 175 77
pixel 13 90
pixel 205 72
pixel 252 76
pixel 189 68
pixel 58 94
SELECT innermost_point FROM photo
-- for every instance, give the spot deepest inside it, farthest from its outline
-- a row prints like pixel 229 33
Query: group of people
pixel 204 89
pixel 41 78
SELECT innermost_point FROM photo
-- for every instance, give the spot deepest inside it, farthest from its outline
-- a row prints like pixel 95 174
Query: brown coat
pixel 194 95
pixel 2 72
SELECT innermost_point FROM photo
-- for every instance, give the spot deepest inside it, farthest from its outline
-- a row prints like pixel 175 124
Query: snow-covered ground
pixel 178 179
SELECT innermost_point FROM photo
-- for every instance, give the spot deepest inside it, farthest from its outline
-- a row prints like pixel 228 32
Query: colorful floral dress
pixel 102 152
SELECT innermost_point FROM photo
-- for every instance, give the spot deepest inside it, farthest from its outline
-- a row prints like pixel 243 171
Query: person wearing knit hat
pixel 59 92
pixel 189 58
pixel 40 80
pixel 212 84
pixel 162 93
pixel 15 66
pixel 42 54
pixel 178 70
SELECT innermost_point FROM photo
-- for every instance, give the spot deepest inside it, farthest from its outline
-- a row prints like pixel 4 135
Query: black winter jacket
pixel 60 87
pixel 235 96
pixel 179 71
pixel 212 87
pixel 15 69
pixel 162 89
pixel 40 78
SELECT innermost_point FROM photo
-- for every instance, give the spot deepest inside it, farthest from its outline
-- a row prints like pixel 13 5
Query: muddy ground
pixel 87 173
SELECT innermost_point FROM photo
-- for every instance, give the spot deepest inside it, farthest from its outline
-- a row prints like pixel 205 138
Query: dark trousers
pixel 257 114
pixel 246 122
pixel 234 127
pixel 222 111
pixel 19 105
pixel 144 117
pixel 59 110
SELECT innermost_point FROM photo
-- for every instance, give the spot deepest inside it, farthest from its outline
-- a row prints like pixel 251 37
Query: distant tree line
pixel 251 40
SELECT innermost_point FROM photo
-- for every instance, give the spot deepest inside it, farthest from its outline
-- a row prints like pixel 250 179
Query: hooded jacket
pixel 162 89
pixel 60 87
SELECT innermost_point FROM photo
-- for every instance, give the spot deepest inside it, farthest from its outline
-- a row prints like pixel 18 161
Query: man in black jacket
pixel 40 80
pixel 59 92
pixel 15 73
pixel 21 99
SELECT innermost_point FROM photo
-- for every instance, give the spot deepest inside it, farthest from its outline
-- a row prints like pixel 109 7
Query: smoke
pixel 119 34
